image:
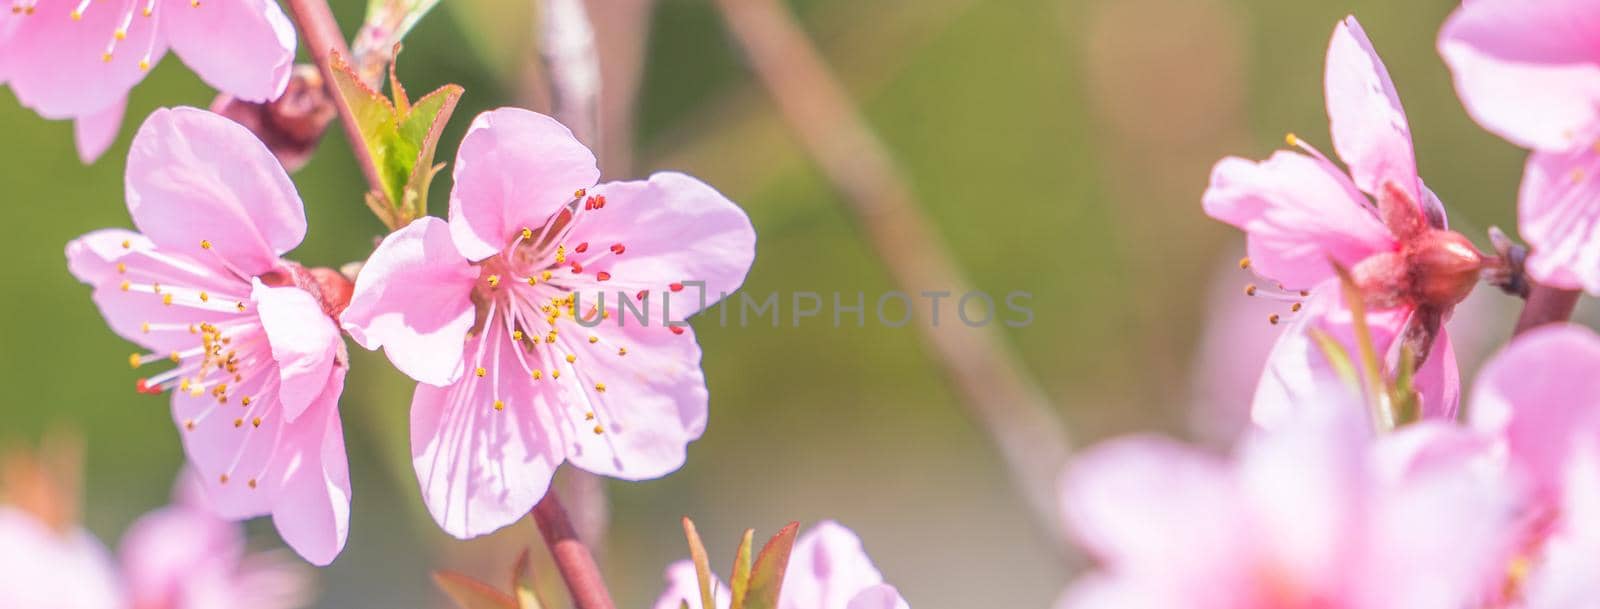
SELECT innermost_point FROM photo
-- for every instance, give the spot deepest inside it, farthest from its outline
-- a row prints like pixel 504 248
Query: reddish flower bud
pixel 1444 267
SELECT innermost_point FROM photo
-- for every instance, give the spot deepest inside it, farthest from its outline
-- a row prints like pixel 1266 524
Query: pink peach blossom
pixel 828 570
pixel 77 59
pixel 45 568
pixel 1316 514
pixel 1303 215
pixel 480 310
pixel 259 363
pixel 1530 73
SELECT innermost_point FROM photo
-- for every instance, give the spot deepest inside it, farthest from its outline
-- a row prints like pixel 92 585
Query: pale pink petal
pixel 94 133
pixel 482 468
pixel 827 570
pixel 43 568
pixel 515 170
pixel 60 70
pixel 304 343
pixel 669 229
pixel 1101 591
pixel 244 48
pixel 141 315
pixel 654 403
pixel 311 479
pixel 881 596
pixel 1558 212
pixel 1528 71
pixel 1438 381
pixel 1541 392
pixel 164 551
pixel 1298 212
pixel 1565 578
pixel 228 450
pixel 195 176
pixel 1154 508
pixel 92 258
pixel 1298 374
pixel 683 586
pixel 413 299
pixel 1369 126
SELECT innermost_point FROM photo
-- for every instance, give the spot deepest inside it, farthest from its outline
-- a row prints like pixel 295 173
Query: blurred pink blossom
pixel 1316 514
pixel 1530 73
pixel 45 568
pixel 76 59
pixel 259 361
pixel 1302 215
pixel 514 377
pixel 828 570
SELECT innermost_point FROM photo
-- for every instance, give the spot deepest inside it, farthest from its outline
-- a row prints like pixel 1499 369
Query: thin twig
pixel 566 45
pixel 1546 305
pixel 1013 409
pixel 324 41
pixel 572 558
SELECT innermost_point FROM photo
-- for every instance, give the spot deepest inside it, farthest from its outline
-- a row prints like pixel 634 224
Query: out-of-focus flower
pixel 828 570
pixel 259 364
pixel 1303 216
pixel 48 568
pixel 76 59
pixel 517 374
pixel 1530 73
pixel 184 557
pixel 1317 513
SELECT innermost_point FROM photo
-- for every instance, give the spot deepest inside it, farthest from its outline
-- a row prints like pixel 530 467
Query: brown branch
pixel 325 41
pixel 572 558
pixel 1014 410
pixel 566 46
pixel 1546 305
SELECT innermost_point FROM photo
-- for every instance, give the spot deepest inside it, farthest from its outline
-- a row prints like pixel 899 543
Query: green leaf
pixel 739 583
pixel 1376 386
pixel 702 562
pixel 766 579
pixel 1407 406
pixel 401 137
pixel 522 584
pixel 469 593
pixel 1337 357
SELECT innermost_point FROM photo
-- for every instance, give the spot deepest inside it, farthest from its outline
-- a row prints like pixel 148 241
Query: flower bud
pixel 1444 267
pixel 292 126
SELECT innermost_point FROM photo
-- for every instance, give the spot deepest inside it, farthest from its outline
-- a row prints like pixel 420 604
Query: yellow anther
pixel 494 281
pixel 120 34
pixel 571 358
pixel 527 233
pixel 256 422
pixel 122 268
pixel 252 483
pixel 204 297
pixel 77 15
pixel 239 306
pixel 175 357
pixel 204 244
pixel 480 372
pixel 600 387
pixel 599 430
pixel 126 244
pixel 237 423
pixel 1273 319
pixel 561 255
pixel 244 401
pixel 144 327
pixel 134 360
pixel 147 11
pixel 588 416
pixel 1292 139
pixel 166 299
pixel 1244 263
pixel 144 64
pixel 555 374
pixel 106 58
pixel 622 351
pixel 594 339
pixel 223 478
pixel 537 375
pixel 516 335
pixel 579 193
pixel 189 424
pixel 545 275
pixel 533 281
pixel 499 405
pixel 126 285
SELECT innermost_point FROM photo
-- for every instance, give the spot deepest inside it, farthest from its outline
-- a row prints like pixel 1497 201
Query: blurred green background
pixel 1060 147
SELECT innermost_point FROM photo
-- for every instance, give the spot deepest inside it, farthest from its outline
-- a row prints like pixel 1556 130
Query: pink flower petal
pixel 311 496
pixel 1134 503
pixel 482 468
pixel 244 48
pixel 515 169
pixel 94 133
pixel 1297 373
pixel 828 569
pixel 669 229
pixel 44 568
pixel 881 596
pixel 194 176
pixel 1541 392
pixel 60 69
pixel 92 258
pixel 654 403
pixel 166 550
pixel 304 344
pixel 1298 213
pixel 143 317
pixel 1438 381
pixel 223 443
pixel 1528 71
pixel 1558 211
pixel 1369 126
pixel 413 298
pixel 683 586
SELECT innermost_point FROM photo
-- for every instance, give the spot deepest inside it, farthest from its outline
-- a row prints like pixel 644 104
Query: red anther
pixel 676 287
pixel 144 386
pixel 577 268
pixel 599 201
pixel 676 329
pixel 589 203
pixel 602 276
pixel 618 249
pixel 641 295
pixel 582 247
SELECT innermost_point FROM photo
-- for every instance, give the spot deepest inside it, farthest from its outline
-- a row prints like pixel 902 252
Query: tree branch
pixel 1005 401
pixel 572 558
pixel 1546 305
pixel 325 41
